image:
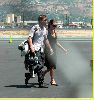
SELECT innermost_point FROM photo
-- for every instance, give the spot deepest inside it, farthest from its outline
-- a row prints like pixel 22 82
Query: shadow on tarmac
pixel 30 85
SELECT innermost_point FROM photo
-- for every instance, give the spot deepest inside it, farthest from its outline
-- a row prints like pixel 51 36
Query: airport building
pixel 12 18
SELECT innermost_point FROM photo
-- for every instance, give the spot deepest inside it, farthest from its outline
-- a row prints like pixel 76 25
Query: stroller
pixel 34 62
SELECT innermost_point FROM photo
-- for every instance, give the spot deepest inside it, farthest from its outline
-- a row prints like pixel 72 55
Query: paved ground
pixel 73 73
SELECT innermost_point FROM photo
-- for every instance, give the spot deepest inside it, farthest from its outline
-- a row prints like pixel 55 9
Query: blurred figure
pixel 50 60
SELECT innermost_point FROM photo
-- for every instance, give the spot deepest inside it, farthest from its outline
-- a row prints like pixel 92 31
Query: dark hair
pixel 51 22
pixel 41 17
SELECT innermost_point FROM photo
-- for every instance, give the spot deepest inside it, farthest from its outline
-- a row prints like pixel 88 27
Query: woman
pixel 50 60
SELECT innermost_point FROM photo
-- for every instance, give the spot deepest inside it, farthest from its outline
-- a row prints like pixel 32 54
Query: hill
pixel 75 9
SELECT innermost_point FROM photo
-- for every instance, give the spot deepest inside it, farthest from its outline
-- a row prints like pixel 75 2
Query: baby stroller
pixel 33 62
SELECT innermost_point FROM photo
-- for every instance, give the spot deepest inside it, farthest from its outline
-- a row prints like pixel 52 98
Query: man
pixel 38 35
pixel 38 38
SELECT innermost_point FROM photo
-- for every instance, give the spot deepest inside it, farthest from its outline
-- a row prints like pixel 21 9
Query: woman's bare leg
pixel 52 76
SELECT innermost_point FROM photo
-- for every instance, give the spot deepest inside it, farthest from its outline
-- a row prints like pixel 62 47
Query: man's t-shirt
pixel 38 35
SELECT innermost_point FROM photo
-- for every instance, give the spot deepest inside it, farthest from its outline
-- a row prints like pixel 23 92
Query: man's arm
pixel 30 44
pixel 30 41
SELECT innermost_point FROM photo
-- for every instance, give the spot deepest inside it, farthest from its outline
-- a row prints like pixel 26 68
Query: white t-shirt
pixel 39 34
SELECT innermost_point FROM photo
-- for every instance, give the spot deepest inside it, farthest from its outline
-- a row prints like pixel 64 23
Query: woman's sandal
pixel 53 83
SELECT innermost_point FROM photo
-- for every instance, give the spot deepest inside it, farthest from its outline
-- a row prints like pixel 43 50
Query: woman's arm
pixel 46 42
pixel 55 33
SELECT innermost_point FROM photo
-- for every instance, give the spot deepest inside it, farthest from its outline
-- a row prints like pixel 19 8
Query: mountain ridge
pixel 73 8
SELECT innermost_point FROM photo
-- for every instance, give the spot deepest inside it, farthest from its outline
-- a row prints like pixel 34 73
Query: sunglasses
pixel 54 25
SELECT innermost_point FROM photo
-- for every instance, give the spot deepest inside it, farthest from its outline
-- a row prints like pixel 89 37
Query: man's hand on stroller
pixel 32 49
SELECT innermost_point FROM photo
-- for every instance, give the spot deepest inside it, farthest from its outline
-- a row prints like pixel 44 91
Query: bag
pixel 24 48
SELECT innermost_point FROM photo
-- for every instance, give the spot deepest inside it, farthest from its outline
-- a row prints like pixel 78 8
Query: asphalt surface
pixel 73 73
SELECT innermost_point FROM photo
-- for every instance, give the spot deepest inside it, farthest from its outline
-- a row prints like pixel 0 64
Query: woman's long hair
pixel 50 23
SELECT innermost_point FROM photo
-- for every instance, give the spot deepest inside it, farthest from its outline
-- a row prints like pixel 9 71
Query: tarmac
pixel 59 37
pixel 73 73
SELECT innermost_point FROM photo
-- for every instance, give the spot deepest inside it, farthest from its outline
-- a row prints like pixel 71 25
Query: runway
pixel 73 73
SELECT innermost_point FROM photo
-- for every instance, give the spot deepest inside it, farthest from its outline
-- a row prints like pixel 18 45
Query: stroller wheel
pixel 40 78
pixel 26 81
pixel 26 66
pixel 40 85
pixel 27 75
